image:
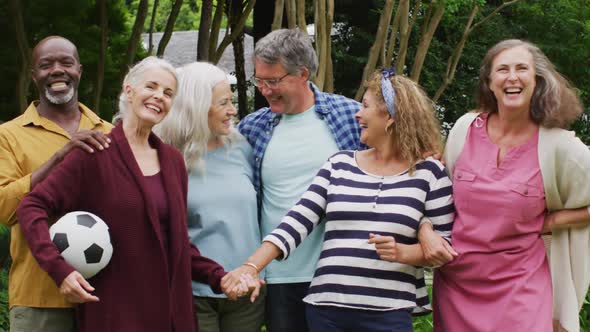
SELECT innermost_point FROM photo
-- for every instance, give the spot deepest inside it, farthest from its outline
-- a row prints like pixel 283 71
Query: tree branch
pixel 228 38
pixel 379 43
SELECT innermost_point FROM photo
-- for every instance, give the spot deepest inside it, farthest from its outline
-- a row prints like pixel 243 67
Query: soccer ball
pixel 84 242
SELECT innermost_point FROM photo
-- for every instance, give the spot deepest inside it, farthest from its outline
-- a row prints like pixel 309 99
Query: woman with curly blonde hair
pixel 368 277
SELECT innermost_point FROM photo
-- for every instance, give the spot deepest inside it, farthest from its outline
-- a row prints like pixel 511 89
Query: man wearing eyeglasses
pixel 292 139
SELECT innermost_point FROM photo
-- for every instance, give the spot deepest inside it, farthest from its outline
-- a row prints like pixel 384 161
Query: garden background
pixel 439 43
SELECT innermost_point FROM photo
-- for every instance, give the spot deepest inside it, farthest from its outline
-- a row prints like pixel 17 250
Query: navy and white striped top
pixel 354 203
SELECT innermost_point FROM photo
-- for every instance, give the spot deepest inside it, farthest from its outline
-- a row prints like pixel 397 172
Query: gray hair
pixel 291 48
pixel 135 76
pixel 186 127
pixel 554 103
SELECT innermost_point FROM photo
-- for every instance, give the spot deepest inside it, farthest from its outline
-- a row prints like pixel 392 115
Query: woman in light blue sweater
pixel 222 207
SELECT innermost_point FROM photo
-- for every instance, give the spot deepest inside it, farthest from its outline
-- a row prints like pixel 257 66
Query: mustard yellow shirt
pixel 26 143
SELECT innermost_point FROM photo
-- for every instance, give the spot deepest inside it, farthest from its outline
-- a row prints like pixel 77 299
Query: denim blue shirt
pixel 338 112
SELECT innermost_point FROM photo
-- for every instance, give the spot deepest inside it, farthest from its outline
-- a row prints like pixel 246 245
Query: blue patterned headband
pixel 387 90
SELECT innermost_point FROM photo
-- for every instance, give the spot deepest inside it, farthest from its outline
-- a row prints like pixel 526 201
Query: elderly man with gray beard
pixel 31 145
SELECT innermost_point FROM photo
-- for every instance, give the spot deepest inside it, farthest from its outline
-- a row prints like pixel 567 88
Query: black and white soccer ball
pixel 84 242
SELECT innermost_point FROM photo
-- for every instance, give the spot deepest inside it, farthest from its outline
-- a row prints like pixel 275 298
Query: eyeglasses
pixel 272 83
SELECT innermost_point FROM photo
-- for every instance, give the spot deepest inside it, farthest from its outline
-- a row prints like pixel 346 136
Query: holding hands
pixel 242 281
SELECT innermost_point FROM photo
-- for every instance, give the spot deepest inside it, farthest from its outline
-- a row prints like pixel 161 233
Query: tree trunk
pixel 263 15
pixel 142 12
pixel 425 40
pixel 169 27
pixel 301 15
pixel 215 28
pixel 240 64
pixel 239 28
pixel 329 75
pixel 277 21
pixel 24 77
pixel 291 7
pixel 152 23
pixel 101 6
pixel 392 37
pixel 404 36
pixel 453 60
pixel 379 44
pixel 320 42
pixel 204 26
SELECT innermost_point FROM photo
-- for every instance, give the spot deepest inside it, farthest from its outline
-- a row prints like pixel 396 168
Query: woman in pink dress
pixel 516 175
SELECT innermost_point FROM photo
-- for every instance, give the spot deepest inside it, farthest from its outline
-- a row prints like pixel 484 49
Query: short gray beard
pixel 60 100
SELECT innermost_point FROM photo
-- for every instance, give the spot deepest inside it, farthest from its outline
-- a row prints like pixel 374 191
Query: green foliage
pixel 560 28
pixel 4 324
pixel 585 314
pixel 423 323
pixel 188 18
pixel 354 39
pixel 77 21
pixel 4 260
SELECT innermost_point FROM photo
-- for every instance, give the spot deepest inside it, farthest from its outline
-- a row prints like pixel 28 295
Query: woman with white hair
pixel 138 187
pixel 222 205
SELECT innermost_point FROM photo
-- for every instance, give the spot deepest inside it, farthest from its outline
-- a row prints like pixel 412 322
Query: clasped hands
pixel 242 281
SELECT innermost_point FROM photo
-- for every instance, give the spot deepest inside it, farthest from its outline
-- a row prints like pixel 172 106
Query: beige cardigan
pixel 565 167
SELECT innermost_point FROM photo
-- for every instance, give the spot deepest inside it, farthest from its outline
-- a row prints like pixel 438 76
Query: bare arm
pixel 256 262
pixel 436 250
pixel 389 250
pixel 566 219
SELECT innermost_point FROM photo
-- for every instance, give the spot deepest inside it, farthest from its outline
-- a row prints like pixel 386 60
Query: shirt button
pixel 459 175
pixel 526 191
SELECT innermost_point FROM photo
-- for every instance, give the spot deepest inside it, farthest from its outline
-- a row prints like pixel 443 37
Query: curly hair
pixel 555 103
pixel 415 130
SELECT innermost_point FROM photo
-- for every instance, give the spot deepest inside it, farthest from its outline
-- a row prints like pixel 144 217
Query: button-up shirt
pixel 26 143
pixel 338 112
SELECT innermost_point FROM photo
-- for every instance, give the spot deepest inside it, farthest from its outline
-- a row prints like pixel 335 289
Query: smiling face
pixel 373 119
pixel 56 70
pixel 222 110
pixel 512 79
pixel 288 96
pixel 150 99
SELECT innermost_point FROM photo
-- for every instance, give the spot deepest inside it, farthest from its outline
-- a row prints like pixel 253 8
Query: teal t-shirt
pixel 222 209
pixel 299 146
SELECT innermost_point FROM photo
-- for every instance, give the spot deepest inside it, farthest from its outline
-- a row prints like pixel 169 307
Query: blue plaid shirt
pixel 338 112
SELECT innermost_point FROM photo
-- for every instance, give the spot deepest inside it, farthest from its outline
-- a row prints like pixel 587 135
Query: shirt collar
pixel 31 115
pixel 321 103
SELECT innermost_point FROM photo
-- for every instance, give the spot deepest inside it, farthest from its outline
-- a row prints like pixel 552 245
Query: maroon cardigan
pixel 136 290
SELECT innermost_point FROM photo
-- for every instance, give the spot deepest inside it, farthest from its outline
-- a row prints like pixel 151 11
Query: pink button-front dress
pixel 501 279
